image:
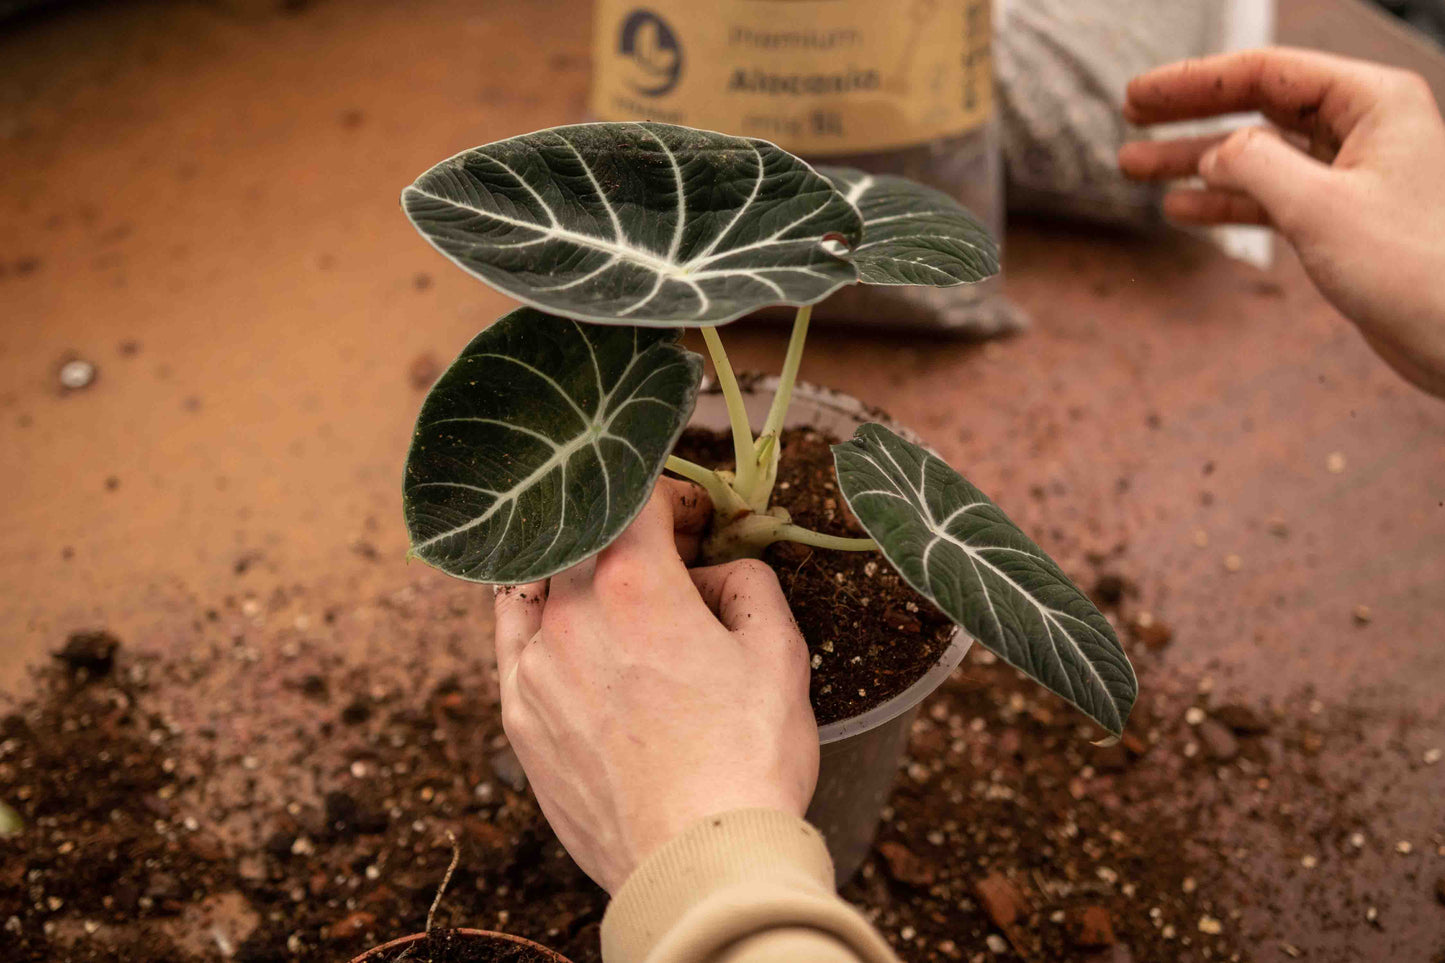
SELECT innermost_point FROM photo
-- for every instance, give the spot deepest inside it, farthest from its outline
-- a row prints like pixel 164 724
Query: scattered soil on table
pixel 450 946
pixel 869 634
pixel 225 807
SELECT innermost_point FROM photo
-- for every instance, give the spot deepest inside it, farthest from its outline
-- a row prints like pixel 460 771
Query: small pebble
pixel 1431 756
pixel 1211 926
pixel 1233 563
pixel 1372 914
pixel 1189 884
pixel 1309 862
pixel 1335 462
pixel 996 944
pixel 1194 715
pixel 1357 840
pixel 1362 614
pixel 817 660
pixel 1201 538
pixel 76 374
pixel 1404 847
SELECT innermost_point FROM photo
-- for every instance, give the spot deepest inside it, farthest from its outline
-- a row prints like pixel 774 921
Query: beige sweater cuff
pixel 729 878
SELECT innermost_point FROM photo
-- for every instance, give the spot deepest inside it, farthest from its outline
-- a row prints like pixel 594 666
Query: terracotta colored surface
pixel 203 203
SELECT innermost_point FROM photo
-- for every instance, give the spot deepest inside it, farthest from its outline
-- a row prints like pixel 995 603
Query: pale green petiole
pixel 726 504
pixel 745 525
pixel 791 362
pixel 806 536
pixel 768 449
pixel 749 535
pixel 737 412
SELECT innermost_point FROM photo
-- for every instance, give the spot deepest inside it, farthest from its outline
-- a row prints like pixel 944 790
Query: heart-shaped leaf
pixel 958 548
pixel 913 234
pixel 638 223
pixel 541 443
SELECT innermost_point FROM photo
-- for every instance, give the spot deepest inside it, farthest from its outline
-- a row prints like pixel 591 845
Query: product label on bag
pixel 817 77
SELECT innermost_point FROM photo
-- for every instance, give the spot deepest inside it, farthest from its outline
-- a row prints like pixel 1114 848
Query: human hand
pixel 1357 189
pixel 642 697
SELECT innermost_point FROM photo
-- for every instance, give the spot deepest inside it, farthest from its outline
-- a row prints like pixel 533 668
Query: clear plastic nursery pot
pixel 482 937
pixel 860 754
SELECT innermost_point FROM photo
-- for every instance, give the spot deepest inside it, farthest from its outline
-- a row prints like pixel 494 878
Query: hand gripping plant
pixel 544 439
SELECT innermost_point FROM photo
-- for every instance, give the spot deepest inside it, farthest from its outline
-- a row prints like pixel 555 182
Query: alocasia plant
pixel 544 439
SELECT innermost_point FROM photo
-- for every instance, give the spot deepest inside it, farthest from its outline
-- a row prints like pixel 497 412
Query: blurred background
pixel 216 328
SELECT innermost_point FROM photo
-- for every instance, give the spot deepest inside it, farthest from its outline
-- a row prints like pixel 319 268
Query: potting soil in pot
pixel 869 634
pixel 450 946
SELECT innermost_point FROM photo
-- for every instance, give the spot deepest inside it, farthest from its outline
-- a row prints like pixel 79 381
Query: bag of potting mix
pixel 903 88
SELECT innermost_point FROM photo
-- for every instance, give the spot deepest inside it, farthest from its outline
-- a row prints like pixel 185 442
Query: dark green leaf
pixel 541 442
pixel 638 223
pixel 958 548
pixel 913 234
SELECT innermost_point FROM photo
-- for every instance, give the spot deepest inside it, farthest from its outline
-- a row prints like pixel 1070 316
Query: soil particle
pixel 905 866
pixel 1241 719
pixel 1089 927
pixel 424 370
pixel 870 635
pixel 356 712
pixel 1219 743
pixel 90 652
pixel 1110 588
pixel 1153 632
pixel 1000 899
pixel 506 767
pixel 351 926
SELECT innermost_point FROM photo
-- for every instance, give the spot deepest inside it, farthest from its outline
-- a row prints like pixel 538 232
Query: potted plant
pixel 544 438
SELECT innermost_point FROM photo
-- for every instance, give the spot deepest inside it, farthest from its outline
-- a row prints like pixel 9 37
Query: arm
pixel 662 716
pixel 1354 182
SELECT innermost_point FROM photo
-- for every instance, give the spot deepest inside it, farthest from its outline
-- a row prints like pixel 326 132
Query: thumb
pixel 1256 161
pixel 745 596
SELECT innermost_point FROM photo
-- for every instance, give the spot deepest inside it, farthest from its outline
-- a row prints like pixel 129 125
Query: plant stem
pixel 761 491
pixel 805 536
pixel 791 361
pixel 749 535
pixel 737 413
pixel 725 502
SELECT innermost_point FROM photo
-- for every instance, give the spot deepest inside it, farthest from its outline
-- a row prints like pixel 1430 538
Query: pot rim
pixel 959 643
pixel 464 931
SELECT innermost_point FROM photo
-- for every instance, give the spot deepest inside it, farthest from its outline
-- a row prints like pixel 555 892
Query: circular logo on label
pixel 654 51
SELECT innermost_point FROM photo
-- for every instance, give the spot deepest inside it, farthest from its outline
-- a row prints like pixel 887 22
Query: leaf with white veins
pixel 541 442
pixel 954 545
pixel 638 223
pixel 913 234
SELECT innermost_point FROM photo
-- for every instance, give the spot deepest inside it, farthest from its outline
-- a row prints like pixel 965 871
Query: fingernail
pixel 1207 162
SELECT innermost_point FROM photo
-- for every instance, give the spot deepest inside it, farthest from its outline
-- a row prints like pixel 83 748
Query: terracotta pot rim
pixel 464 931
